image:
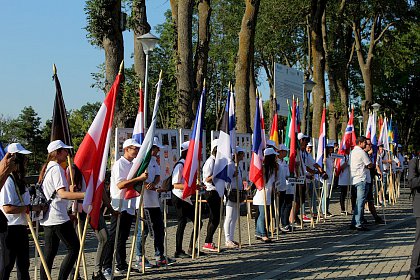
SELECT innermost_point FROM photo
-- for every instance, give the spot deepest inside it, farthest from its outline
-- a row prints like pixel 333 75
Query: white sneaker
pixel 230 244
pixel 107 273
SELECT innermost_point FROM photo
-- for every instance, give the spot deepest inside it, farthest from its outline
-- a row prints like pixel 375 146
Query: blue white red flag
pixel 138 130
pixel 321 141
pixel 256 165
pixel 193 158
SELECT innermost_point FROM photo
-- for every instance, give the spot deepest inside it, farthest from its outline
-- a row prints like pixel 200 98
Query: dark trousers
pixel 124 232
pixel 285 206
pixel 52 235
pixel 415 257
pixel 17 245
pixel 158 230
pixel 184 212
pixel 213 201
pixel 343 196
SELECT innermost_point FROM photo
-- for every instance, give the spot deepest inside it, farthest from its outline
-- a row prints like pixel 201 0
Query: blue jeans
pixel 327 189
pixel 361 192
pixel 260 229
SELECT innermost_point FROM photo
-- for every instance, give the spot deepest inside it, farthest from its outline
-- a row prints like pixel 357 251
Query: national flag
pixel 141 162
pixel 2 151
pixel 383 135
pixel 391 135
pixel 192 160
pixel 293 144
pixel 224 153
pixel 274 131
pixel 92 156
pixel 232 122
pixel 298 122
pixel 256 164
pixel 264 143
pixel 60 129
pixel 349 138
pixel 138 130
pixel 321 141
pixel 371 133
pixel 288 126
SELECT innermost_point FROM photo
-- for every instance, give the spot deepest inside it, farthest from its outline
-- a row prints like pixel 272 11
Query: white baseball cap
pixel 283 147
pixel 17 148
pixel 239 149
pixel 157 143
pixel 270 143
pixel 185 145
pixel 214 144
pixel 131 142
pixel 310 144
pixel 270 151
pixel 57 144
pixel 301 136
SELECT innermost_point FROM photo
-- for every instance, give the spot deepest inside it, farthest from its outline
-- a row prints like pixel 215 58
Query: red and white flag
pixel 92 156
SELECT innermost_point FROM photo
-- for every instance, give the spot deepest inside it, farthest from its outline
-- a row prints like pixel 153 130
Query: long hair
pixel 51 157
pixel 19 173
pixel 270 166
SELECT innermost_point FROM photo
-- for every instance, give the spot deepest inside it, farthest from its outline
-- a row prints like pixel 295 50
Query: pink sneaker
pixel 306 219
pixel 209 247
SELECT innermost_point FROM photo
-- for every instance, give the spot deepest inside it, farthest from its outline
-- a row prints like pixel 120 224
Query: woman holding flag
pixel 270 170
pixel 56 221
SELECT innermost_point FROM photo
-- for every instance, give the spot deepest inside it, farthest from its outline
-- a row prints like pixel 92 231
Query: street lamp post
pixel 360 118
pixel 148 42
pixel 376 107
pixel 308 85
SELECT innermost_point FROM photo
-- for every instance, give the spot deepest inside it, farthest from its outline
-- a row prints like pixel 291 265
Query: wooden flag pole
pixel 271 218
pixel 195 224
pixel 278 213
pixel 238 203
pixel 82 244
pixel 265 207
pixel 200 201
pixel 79 231
pixel 36 252
pixel 219 238
pixel 136 227
pixel 165 208
pixel 248 218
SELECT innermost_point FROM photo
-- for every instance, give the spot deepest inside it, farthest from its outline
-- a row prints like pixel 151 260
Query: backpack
pixel 37 193
pixel 167 183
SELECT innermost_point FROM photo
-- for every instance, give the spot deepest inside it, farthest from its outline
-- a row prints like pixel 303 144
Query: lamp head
pixel 309 85
pixel 148 41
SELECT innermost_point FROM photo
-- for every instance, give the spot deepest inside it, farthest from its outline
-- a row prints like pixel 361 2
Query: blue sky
pixel 36 34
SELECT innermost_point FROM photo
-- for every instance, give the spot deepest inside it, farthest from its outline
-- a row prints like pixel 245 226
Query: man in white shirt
pixel 359 174
pixel 118 188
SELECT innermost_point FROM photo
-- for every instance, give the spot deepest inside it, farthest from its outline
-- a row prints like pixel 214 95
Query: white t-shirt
pixel 308 161
pixel 358 162
pixel 151 197
pixel 208 171
pixel 55 179
pixel 329 167
pixel 9 196
pixel 344 176
pixel 119 173
pixel 283 173
pixel 379 161
pixel 178 179
pixel 259 195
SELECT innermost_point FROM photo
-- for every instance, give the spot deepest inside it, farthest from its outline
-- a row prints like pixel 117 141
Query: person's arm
pixel 69 195
pixel 107 203
pixel 132 182
pixel 7 164
pixel 13 209
pixel 152 185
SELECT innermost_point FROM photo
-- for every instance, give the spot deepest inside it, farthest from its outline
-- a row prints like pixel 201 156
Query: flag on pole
pixel 321 141
pixel 371 133
pixel 256 165
pixel 224 153
pixel 194 150
pixel 264 143
pixel 349 138
pixel 288 126
pixel 138 130
pixel 92 156
pixel 2 151
pixel 292 136
pixel 274 131
pixel 232 122
pixel 60 129
pixel 383 135
pixel 141 162
pixel 297 117
pixel 391 135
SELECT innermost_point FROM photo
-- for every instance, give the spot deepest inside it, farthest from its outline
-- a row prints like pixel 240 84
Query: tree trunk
pixel 318 62
pixel 202 50
pixel 141 26
pixel 343 89
pixel 184 67
pixel 243 66
pixel 252 95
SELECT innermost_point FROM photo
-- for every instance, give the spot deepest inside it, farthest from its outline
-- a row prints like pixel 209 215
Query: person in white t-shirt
pixel 152 205
pixel 238 177
pixel 344 182
pixel 270 170
pixel 359 174
pixel 56 221
pixel 184 207
pixel 14 203
pixel 285 189
pixel 126 207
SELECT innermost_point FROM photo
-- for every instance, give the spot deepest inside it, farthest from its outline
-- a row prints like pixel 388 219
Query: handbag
pixel 232 195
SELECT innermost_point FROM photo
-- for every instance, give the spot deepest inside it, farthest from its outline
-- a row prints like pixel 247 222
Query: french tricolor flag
pixel 92 156
pixel 138 130
pixel 194 150
pixel 321 140
pixel 256 165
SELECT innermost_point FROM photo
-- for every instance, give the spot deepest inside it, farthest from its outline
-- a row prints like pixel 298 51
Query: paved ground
pixel 329 251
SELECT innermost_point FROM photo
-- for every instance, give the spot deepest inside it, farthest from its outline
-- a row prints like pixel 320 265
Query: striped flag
pixel 288 127
pixel 321 141
pixel 141 162
pixel 60 129
pixel 138 130
pixel 256 165
pixel 224 152
pixel 383 135
pixel 349 138
pixel 264 142
pixel 92 156
pixel 274 131
pixel 232 122
pixel 194 150
pixel 298 118
pixel 292 135
pixel 371 134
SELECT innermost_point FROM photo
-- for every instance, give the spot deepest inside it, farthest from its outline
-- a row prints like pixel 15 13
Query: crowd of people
pixel 362 178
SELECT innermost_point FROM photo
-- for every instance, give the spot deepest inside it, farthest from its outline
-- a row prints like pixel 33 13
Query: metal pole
pixel 307 111
pixel 146 77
